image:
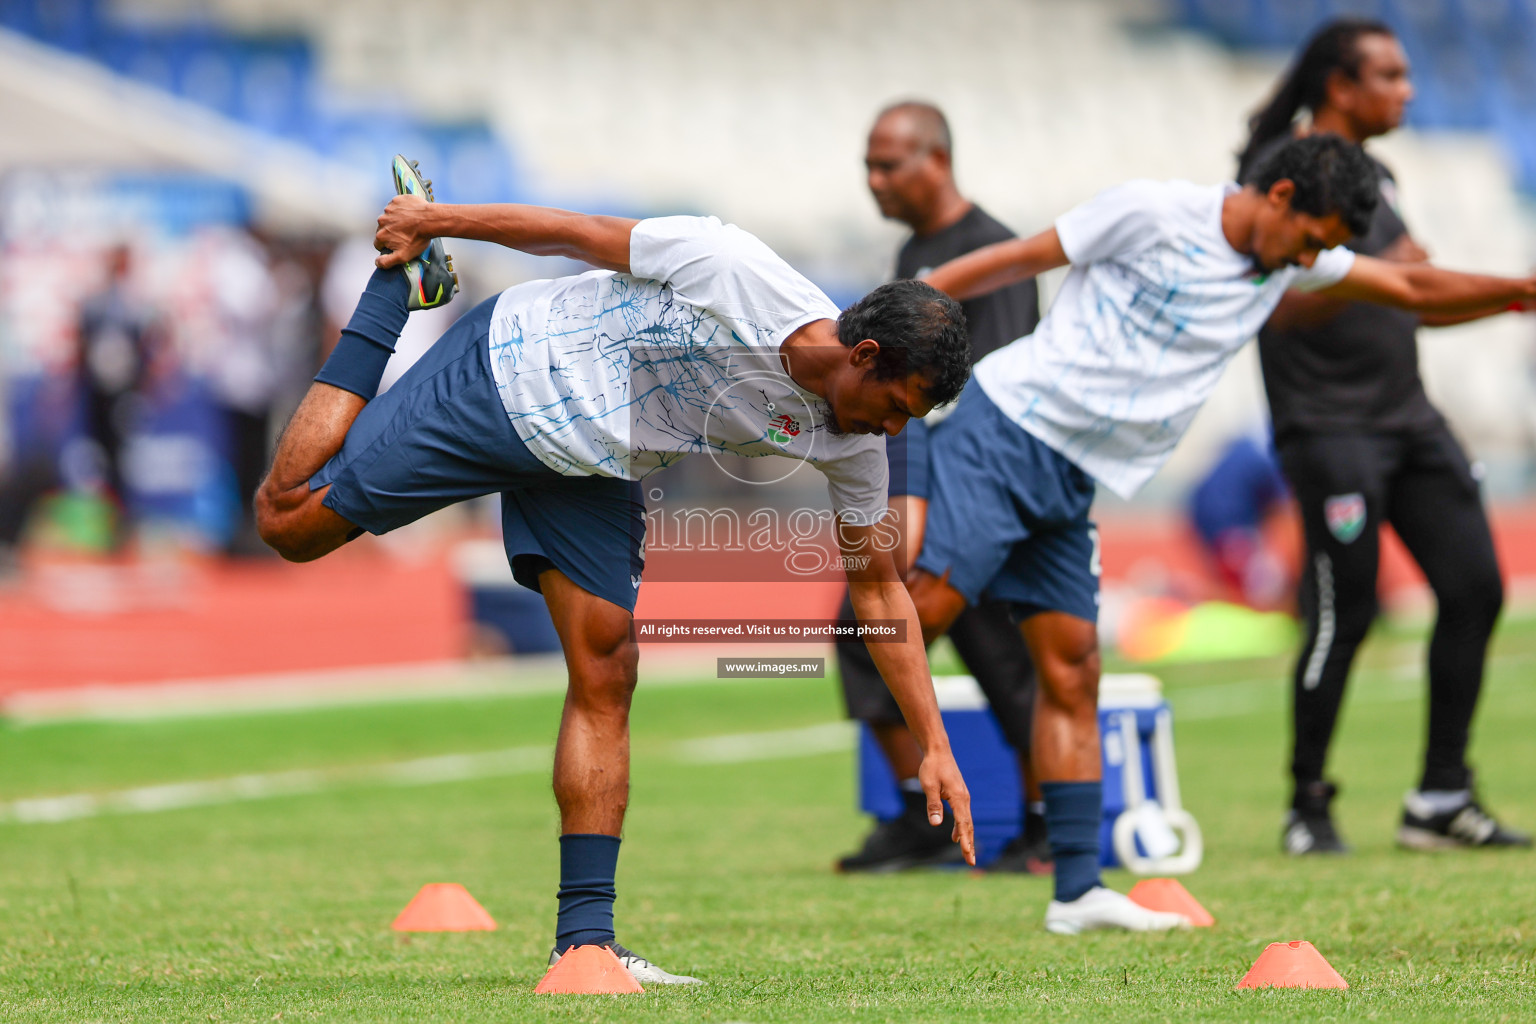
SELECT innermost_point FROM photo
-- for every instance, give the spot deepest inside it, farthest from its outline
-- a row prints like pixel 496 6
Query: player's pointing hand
pixel 402 233
pixel 941 780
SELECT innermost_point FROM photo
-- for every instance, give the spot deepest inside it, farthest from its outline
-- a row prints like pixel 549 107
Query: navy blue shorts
pixel 906 456
pixel 441 435
pixel 1008 515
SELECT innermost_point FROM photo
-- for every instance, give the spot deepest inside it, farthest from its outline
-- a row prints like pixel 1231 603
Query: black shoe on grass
pixel 1309 823
pixel 1461 828
pixel 906 842
pixel 1028 853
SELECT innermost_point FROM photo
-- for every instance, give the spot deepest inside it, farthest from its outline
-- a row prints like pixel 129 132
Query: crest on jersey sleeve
pixel 1345 515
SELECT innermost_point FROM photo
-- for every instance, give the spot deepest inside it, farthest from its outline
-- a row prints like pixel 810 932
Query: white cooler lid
pixel 1116 690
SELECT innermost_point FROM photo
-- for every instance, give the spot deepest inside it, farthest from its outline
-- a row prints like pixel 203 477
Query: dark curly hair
pixel 920 330
pixel 1331 175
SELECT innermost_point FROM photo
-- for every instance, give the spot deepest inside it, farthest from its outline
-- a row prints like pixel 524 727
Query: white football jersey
pixel 622 374
pixel 1155 305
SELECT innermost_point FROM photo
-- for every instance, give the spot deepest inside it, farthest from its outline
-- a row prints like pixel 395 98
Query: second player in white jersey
pixel 1167 282
pixel 1156 303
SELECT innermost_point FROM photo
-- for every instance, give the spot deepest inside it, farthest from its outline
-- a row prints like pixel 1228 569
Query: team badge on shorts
pixel 1345 515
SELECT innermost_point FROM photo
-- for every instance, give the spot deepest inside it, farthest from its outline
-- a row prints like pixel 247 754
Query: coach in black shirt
pixel 911 177
pixel 1361 445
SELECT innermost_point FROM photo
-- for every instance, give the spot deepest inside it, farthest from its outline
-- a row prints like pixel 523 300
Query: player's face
pixel 1376 97
pixel 1283 237
pixel 900 170
pixel 863 405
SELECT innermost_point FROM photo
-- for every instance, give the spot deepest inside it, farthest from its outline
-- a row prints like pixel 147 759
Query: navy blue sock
pixel 357 362
pixel 587 867
pixel 1072 813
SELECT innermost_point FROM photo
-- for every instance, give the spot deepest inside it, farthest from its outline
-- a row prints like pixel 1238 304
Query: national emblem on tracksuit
pixel 1345 515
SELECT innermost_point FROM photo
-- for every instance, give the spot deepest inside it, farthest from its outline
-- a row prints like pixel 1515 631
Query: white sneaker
pixel 1104 908
pixel 639 968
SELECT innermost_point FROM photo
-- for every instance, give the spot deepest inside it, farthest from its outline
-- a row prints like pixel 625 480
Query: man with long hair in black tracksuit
pixel 1361 446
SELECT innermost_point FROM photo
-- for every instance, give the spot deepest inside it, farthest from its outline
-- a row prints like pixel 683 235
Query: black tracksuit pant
pixel 1420 482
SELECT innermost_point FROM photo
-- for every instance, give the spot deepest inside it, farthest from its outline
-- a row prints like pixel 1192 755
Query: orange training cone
pixel 1167 894
pixel 588 970
pixel 1291 965
pixel 443 907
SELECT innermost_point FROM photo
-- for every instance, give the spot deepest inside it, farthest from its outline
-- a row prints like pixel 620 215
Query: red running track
pixel 75 624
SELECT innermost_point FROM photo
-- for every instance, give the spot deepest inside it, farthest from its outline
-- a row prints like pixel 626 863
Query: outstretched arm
pixel 1452 319
pixel 878 593
pixel 998 265
pixel 409 223
pixel 1430 290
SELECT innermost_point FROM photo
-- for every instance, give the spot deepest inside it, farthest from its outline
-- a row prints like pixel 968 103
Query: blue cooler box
pixel 500 604
pixel 991 769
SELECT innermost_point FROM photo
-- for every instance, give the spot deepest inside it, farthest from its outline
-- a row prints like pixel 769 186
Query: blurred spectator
pixel 1228 510
pixel 26 474
pixel 115 339
pixel 242 364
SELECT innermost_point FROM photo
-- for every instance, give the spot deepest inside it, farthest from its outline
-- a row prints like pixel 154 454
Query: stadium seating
pixel 267 78
pixel 1474 60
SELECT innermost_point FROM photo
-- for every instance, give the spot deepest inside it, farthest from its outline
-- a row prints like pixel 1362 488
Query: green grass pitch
pixel 279 909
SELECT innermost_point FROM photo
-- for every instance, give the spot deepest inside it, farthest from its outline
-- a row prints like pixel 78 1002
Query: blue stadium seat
pixel 475 167
pixel 276 83
pixel 1474 60
pixel 1288 24
pixel 69 24
pixel 209 75
pixel 144 56
pixel 1233 21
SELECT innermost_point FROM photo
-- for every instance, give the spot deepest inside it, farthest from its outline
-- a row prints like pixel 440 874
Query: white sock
pixel 1426 802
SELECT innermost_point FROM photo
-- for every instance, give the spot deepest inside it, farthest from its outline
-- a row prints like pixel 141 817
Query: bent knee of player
pixel 1072 687
pixel 1069 672
pixel 1475 593
pixel 603 676
pixel 937 603
pixel 296 525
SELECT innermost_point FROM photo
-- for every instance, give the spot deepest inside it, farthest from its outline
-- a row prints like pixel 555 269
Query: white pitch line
pixel 828 737
pixel 208 792
pixel 284 692
pixel 738 748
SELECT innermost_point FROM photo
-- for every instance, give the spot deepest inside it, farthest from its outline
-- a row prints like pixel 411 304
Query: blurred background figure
pixel 230 327
pixel 116 350
pixel 1230 509
pixel 1362 446
pixel 910 165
